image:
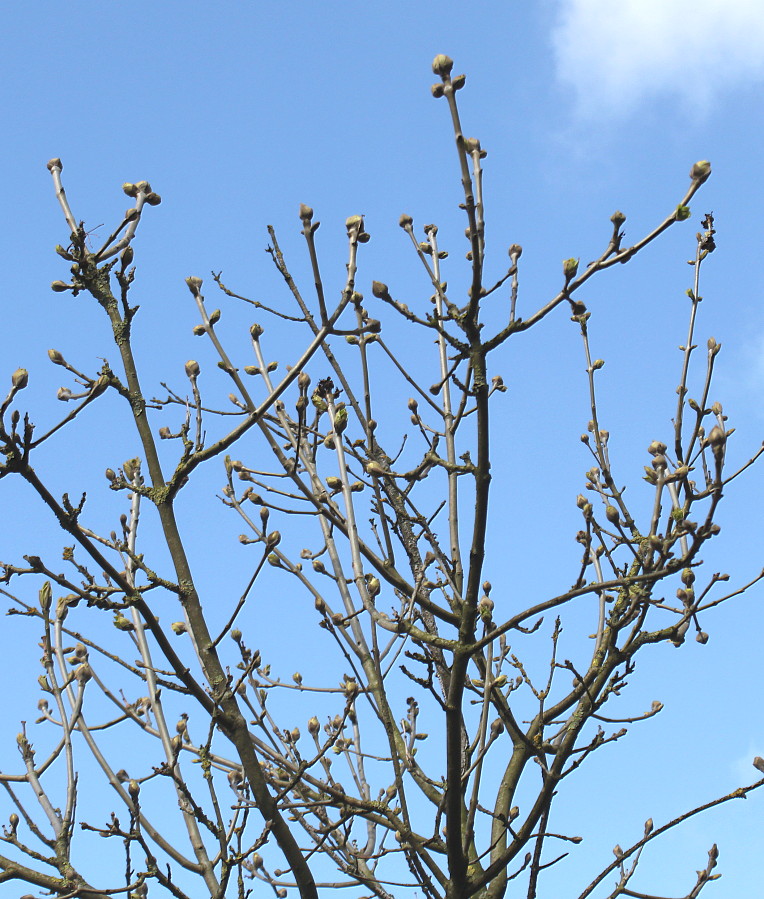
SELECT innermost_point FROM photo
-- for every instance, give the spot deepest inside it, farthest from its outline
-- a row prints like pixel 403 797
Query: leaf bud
pixel 143 187
pixel 214 316
pixel 682 213
pixel 20 378
pixel 130 189
pixel 569 268
pixel 60 286
pixel 437 90
pixel 54 164
pixel 314 726
pixel 485 608
pixel 134 788
pixel 131 214
pixel 306 213
pixel 405 221
pixel 458 82
pixel 700 171
pixel 256 331
pixel 56 358
pixel 273 539
pixel 618 218
pixel 515 252
pixel 656 448
pixel 178 627
pixel 121 623
pixel 44 597
pixel 715 439
pixel 153 199
pixel 194 284
pixel 442 64
pixel 199 330
pixel 99 386
pixel 611 513
pixel 192 368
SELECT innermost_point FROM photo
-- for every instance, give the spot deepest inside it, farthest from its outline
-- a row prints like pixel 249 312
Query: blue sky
pixel 237 112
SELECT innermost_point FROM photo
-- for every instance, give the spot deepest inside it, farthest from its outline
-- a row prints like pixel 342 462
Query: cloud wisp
pixel 615 57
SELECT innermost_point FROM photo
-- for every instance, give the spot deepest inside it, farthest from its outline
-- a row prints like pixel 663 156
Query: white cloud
pixel 614 56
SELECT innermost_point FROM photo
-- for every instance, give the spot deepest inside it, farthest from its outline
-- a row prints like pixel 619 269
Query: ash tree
pixel 429 757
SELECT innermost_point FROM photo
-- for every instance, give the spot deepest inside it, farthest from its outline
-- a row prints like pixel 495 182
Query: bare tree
pixel 384 533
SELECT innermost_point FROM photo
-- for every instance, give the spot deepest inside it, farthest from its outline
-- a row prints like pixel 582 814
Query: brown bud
pixel 60 286
pixel 618 218
pixel 306 213
pixel 442 65
pixel 54 164
pixel 45 597
pixel 130 189
pixel 192 368
pixel 20 378
pixel 56 358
